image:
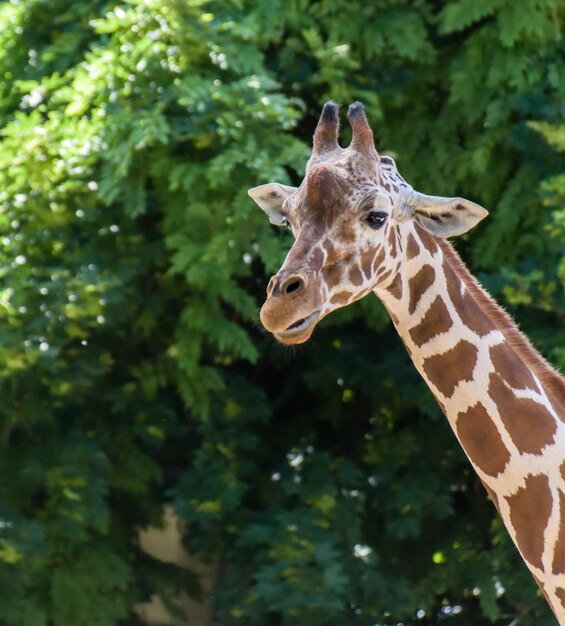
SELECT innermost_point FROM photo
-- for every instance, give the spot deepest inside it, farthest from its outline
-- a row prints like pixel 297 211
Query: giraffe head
pixel 345 218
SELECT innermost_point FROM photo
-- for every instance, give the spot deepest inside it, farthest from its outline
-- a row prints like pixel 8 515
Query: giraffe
pixel 359 227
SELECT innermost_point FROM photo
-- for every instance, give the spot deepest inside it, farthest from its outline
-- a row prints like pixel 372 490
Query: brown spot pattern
pixel 528 423
pixel 562 470
pixel 471 314
pixel 368 260
pixel 329 247
pixel 428 241
pixel 412 247
pixel 395 288
pixel 482 441
pixel 436 320
pixel 347 234
pixel 512 369
pixel 419 284
pixel 332 275
pixel 560 593
pixel 446 370
pixel 382 277
pixel 392 241
pixel 530 509
pixel 378 260
pixel 355 276
pixel 559 554
pixel 324 191
pixel 342 297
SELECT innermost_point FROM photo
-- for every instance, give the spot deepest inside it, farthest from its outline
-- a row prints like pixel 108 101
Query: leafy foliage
pixel 132 370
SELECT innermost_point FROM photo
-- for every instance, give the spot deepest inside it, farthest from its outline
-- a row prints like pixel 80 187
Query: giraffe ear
pixel 270 198
pixel 444 217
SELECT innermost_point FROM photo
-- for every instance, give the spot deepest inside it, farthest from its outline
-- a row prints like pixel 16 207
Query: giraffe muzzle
pixel 292 309
pixel 299 331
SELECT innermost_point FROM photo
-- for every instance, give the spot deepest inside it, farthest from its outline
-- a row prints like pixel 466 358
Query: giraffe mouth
pixel 300 330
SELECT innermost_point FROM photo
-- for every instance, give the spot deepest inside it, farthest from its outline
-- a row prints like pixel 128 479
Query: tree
pixel 133 372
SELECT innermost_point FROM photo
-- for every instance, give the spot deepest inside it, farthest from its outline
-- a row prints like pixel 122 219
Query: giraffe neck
pixel 505 404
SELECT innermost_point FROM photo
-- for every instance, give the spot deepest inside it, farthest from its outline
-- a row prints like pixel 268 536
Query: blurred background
pixel 310 487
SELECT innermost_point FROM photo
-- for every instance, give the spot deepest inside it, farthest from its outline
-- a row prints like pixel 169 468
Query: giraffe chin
pixel 300 331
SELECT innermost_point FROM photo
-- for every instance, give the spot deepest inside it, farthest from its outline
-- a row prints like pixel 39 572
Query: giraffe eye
pixel 376 219
pixel 285 222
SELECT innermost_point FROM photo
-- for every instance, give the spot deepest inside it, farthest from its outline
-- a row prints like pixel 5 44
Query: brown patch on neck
pixel 428 240
pixel 530 509
pixel 559 554
pixel 355 276
pixel 560 593
pixel 529 424
pixel 419 284
pixel 482 441
pixel 412 247
pixel 468 310
pixel 512 369
pixel 552 382
pixel 446 370
pixel 395 287
pixel 342 297
pixel 436 321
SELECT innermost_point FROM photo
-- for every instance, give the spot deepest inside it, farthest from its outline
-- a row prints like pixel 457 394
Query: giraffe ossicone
pixel 359 227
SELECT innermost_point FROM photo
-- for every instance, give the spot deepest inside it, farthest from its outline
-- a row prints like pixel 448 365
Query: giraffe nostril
pixel 295 285
pixel 292 284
